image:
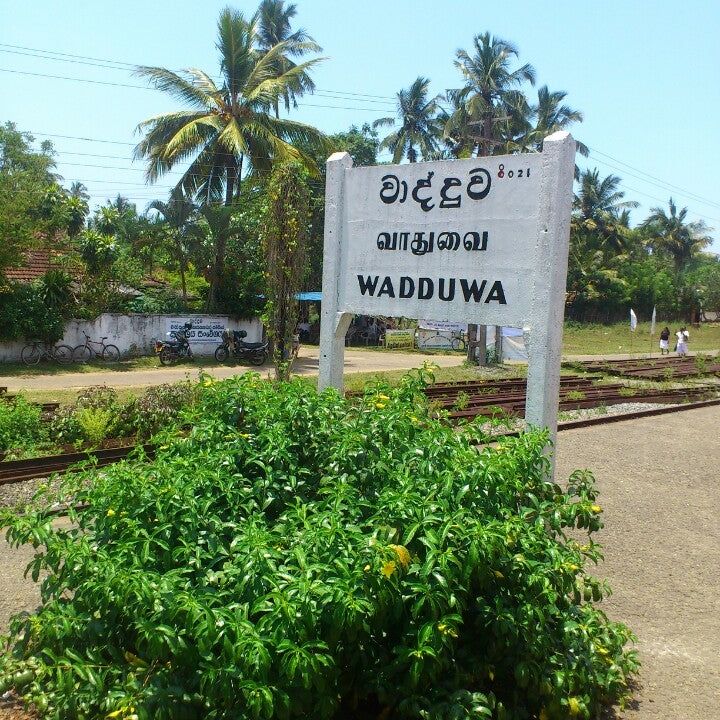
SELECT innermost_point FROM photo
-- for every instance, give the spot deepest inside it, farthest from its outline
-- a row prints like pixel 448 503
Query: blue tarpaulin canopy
pixel 310 296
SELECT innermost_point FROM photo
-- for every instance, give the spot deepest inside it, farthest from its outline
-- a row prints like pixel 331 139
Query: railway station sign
pixel 483 240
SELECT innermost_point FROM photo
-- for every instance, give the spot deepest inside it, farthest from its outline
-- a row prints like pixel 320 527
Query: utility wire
pixel 143 87
pixel 653 180
pixel 133 66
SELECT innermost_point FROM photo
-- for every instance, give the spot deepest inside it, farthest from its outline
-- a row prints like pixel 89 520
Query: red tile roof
pixel 37 263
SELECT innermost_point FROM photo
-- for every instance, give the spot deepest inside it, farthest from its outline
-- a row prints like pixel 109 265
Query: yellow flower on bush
pixel 447 630
pixel 208 381
pixel 384 398
pixel 596 508
pixel 388 568
pixel 379 405
pixel 402 554
pixel 110 513
pixel 574 706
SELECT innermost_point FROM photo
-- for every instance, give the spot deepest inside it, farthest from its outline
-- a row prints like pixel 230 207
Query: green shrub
pixel 21 425
pixel 72 422
pixel 26 316
pixel 156 408
pixel 94 424
pixel 296 556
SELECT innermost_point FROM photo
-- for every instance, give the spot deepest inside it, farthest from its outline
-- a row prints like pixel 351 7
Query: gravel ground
pixel 659 485
pixel 22 492
pixel 660 488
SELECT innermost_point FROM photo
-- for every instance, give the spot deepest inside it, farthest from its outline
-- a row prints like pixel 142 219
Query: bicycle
pixel 37 350
pixel 83 353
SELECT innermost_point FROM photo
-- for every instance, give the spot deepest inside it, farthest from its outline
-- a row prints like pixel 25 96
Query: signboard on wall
pixel 483 240
pixel 205 330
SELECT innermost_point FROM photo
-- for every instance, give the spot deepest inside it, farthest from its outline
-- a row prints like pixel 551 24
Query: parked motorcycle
pixel 233 344
pixel 176 348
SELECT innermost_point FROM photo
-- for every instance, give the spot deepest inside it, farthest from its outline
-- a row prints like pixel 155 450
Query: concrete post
pixel 545 331
pixel 333 324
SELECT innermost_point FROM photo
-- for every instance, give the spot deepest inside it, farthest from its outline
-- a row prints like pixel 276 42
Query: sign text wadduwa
pixel 447 240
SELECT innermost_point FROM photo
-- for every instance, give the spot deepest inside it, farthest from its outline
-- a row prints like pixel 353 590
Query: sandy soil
pixel 660 490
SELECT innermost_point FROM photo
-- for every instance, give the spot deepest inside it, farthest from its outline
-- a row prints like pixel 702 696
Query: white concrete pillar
pixel 544 334
pixel 333 324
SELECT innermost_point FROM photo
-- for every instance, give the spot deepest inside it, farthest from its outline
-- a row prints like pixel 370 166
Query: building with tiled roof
pixel 36 264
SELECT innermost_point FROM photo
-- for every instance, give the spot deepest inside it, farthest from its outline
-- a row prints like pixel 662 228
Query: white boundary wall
pixel 135 334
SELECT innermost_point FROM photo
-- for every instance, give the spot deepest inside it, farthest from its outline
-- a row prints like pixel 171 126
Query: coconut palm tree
pixel 550 115
pixel 600 209
pixel 78 190
pixel 491 101
pixel 274 28
pixel 178 212
pixel 228 128
pixel 671 233
pixel 420 127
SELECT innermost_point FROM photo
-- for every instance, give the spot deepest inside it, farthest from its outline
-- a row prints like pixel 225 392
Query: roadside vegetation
pixel 94 416
pixel 298 554
pixel 229 130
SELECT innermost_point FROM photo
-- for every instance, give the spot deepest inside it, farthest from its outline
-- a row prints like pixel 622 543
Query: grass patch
pixel 588 339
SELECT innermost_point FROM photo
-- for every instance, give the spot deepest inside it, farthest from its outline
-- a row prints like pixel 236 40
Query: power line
pixel 661 200
pixel 133 66
pixel 142 87
pixel 664 185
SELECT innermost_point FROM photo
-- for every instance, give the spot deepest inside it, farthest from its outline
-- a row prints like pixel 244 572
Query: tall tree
pixel 491 99
pixel 285 238
pixel 229 128
pixel 600 208
pixel 275 28
pixel 420 127
pixel 26 176
pixel 549 115
pixel 488 111
pixel 179 213
pixel 671 233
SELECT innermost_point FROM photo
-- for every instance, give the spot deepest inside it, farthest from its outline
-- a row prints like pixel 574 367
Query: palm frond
pixel 177 86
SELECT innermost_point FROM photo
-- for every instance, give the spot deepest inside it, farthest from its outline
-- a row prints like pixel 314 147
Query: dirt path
pixel 660 489
pixel 307 364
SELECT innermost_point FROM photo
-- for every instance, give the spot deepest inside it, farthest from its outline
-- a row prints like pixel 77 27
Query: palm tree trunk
pixel 477 334
pixel 182 277
pixel 218 269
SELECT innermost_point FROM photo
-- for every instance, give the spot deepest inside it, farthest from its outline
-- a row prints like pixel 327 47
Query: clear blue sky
pixel 645 75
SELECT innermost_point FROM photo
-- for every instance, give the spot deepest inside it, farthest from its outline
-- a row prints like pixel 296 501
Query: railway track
pixel 460 400
pixel 45 407
pixel 14 471
pixel 662 368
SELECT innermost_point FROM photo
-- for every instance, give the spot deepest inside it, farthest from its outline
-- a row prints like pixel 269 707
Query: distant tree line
pixel 205 246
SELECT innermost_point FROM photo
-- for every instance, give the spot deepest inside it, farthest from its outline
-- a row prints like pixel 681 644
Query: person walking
pixel 665 341
pixel 682 336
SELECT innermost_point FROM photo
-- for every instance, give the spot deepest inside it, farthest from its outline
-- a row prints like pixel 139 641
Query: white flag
pixel 652 322
pixel 633 320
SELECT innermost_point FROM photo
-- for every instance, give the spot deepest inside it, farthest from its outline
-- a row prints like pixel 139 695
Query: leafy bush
pixel 295 556
pixel 26 316
pixel 94 424
pixel 20 425
pixel 72 422
pixel 159 406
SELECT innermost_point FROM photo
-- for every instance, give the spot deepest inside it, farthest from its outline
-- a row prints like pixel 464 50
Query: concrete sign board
pixel 483 240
